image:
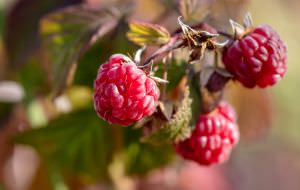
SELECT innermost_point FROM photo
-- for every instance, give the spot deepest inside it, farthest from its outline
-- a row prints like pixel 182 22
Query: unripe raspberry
pixel 216 133
pixel 123 94
pixel 259 58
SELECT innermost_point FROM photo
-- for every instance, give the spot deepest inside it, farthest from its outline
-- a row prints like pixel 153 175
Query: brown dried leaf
pixel 193 10
pixel 166 108
pixel 205 75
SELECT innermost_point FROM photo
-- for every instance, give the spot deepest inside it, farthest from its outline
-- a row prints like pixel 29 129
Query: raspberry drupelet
pixel 213 138
pixel 258 58
pixel 123 93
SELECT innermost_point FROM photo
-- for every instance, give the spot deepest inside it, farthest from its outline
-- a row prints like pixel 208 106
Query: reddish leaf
pixel 21 38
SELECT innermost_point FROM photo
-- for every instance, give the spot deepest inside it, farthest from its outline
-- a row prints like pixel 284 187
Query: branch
pixel 174 43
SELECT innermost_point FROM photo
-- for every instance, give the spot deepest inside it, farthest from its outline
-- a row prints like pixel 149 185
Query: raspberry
pixel 123 94
pixel 216 133
pixel 258 58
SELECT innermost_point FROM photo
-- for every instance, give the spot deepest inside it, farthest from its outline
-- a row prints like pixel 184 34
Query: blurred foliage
pixel 32 77
pixel 79 96
pixel 193 10
pixel 2 21
pixel 73 144
pixel 85 148
pixel 141 158
pixel 21 47
pixel 36 114
pixel 67 33
pixel 5 110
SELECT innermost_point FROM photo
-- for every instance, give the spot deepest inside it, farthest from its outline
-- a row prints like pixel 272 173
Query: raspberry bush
pixel 117 97
pixel 255 56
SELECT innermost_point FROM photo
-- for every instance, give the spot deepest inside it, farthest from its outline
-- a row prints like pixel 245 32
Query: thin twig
pixel 225 34
pixel 172 45
pixel 165 77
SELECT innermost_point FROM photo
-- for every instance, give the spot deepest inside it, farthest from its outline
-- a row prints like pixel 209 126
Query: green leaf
pixel 148 34
pixel 141 158
pixel 195 96
pixel 178 128
pixel 176 70
pixel 78 143
pixel 89 63
pixel 66 34
pixel 32 77
pixel 5 111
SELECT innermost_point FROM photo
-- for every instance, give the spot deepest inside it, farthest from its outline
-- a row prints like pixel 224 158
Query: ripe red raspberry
pixel 123 94
pixel 216 133
pixel 258 58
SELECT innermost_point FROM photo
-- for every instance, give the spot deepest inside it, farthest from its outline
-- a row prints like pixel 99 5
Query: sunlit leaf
pixel 66 34
pixel 148 34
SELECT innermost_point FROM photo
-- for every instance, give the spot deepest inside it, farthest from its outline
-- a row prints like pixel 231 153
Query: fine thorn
pixel 159 80
pixel 138 55
pixel 248 21
pixel 221 44
pixel 236 27
pixel 183 26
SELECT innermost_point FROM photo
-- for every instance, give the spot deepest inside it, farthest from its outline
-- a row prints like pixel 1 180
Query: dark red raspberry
pixel 123 94
pixel 216 133
pixel 258 58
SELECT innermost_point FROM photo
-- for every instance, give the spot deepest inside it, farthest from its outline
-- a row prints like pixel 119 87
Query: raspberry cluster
pixel 259 58
pixel 212 140
pixel 124 94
